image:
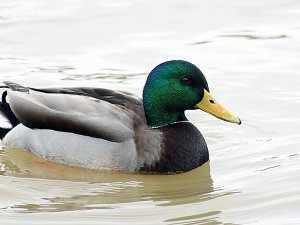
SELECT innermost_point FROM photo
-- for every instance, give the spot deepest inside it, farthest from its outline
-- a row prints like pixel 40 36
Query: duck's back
pixel 87 127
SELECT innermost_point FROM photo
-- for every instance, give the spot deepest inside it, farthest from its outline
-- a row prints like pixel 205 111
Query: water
pixel 249 52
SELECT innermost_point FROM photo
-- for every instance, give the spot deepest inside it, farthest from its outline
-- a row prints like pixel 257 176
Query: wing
pixel 94 112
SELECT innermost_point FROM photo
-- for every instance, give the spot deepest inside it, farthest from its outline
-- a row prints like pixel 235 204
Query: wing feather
pixel 73 113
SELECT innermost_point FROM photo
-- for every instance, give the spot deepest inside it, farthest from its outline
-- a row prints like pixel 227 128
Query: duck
pixel 98 128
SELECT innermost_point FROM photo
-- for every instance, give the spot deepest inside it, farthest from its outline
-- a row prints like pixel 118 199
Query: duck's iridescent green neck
pixel 156 111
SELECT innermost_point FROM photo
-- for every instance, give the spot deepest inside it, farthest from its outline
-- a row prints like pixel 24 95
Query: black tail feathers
pixel 7 117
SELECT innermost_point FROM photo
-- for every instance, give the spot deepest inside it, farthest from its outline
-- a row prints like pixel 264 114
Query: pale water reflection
pixel 83 189
pixel 108 188
pixel 249 52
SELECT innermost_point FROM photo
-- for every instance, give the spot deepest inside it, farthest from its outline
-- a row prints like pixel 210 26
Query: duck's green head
pixel 175 86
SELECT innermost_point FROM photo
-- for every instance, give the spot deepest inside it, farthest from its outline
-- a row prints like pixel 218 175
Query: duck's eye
pixel 185 80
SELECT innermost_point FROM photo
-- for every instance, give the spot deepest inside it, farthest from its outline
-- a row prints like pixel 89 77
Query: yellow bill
pixel 211 106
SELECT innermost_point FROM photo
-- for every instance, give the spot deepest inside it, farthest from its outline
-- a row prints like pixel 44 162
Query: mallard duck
pixel 104 129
